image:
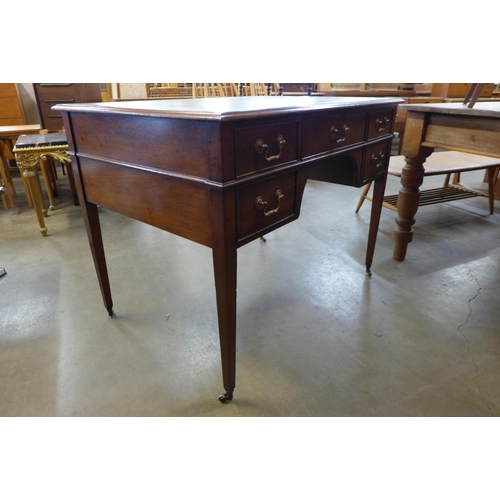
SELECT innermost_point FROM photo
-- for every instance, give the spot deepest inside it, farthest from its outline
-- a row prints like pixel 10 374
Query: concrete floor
pixel 316 336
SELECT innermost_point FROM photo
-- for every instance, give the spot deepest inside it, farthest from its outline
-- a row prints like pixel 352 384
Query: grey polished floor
pixel 316 336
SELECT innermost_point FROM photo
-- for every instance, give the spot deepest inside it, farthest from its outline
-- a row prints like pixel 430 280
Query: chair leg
pixel 491 185
pixel 363 196
pixel 4 199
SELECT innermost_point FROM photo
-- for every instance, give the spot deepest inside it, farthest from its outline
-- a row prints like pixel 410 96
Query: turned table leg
pixel 411 180
pixel 407 206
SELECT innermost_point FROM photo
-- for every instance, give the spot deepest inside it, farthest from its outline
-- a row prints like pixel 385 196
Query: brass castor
pixel 225 398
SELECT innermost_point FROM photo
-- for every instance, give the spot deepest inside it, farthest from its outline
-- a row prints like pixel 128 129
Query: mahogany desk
pixel 451 126
pixel 222 172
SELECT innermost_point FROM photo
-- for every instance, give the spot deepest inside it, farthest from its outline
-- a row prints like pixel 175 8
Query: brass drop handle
pixel 378 160
pixel 338 135
pixel 261 148
pixel 261 205
pixel 381 124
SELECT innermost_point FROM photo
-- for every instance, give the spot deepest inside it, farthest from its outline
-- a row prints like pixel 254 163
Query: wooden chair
pixel 444 163
pixel 473 94
pixel 258 89
pixel 8 189
pixel 169 92
pixel 4 199
pixel 213 90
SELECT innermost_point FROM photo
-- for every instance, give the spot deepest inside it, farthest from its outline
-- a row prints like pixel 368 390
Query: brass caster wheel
pixel 227 397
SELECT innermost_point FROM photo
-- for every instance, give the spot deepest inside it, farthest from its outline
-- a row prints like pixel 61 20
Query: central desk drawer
pixel 328 133
pixel 265 203
pixel 258 148
pixel 54 92
pixel 380 123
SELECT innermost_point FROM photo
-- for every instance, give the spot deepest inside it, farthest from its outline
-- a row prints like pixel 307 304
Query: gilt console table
pixel 36 149
pixel 451 126
pixel 222 172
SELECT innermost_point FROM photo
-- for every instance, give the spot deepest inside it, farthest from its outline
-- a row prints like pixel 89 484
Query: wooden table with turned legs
pixel 449 126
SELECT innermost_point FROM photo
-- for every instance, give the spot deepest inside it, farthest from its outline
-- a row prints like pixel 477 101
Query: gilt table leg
pixel 30 174
pixel 44 167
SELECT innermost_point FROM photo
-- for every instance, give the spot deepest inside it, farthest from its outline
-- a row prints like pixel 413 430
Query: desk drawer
pixel 375 162
pixel 327 133
pixel 258 148
pixel 266 203
pixel 53 92
pixel 380 123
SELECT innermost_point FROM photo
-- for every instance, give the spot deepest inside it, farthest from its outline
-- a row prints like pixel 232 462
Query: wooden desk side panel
pixel 174 205
pixel 185 146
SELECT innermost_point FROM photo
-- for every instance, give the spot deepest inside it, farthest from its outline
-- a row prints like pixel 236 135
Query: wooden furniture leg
pixel 5 177
pixel 408 198
pixel 4 199
pixel 363 196
pixel 224 252
pixel 93 227
pixel 377 202
pixel 491 185
pixel 473 94
pixel 411 179
pixel 71 181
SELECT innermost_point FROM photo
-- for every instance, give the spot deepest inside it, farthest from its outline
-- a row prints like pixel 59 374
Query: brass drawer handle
pixel 261 205
pixel 381 124
pixel 338 135
pixel 261 148
pixel 377 161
